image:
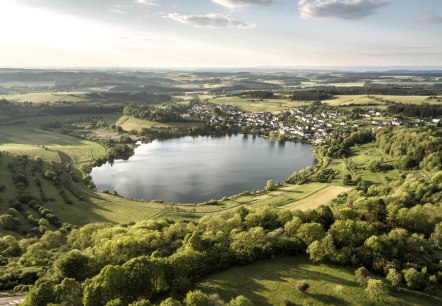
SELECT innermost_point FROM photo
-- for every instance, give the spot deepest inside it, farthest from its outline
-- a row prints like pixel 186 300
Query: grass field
pixel 379 100
pixel 352 99
pixel 129 123
pixel 28 138
pixel 408 99
pixel 321 197
pixel 47 97
pixel 274 282
pixel 273 106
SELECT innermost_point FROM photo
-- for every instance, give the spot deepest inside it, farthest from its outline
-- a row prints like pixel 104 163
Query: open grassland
pixel 378 101
pixel 341 100
pixel 129 123
pixel 362 157
pixel 408 99
pixel 321 197
pixel 48 97
pixel 359 162
pixel 28 138
pixel 273 106
pixel 274 282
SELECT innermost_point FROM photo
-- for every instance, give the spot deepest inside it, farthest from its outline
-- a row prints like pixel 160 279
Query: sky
pixel 220 33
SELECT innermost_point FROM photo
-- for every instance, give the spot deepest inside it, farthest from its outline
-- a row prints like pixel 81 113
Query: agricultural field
pixel 273 106
pixel 409 99
pixel 274 282
pixel 47 97
pixel 342 100
pixel 129 123
pixel 322 196
pixel 27 137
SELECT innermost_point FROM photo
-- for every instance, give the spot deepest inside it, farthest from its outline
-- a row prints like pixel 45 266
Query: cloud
pixel 145 39
pixel 427 18
pixel 339 9
pixel 117 9
pixel 146 2
pixel 212 21
pixel 243 3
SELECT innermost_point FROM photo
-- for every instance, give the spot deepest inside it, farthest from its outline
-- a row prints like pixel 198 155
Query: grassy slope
pixel 272 282
pixel 48 97
pixel 271 105
pixel 130 123
pixel 353 99
pixel 28 138
pixel 23 139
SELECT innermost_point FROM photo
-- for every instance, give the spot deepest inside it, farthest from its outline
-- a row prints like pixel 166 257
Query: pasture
pixel 47 97
pixel 321 197
pixel 28 138
pixel 273 106
pixel 274 282
pixel 129 123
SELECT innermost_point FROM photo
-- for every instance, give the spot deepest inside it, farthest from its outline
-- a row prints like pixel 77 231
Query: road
pixel 12 300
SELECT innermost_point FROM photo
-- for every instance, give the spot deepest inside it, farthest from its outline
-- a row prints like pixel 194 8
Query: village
pixel 303 124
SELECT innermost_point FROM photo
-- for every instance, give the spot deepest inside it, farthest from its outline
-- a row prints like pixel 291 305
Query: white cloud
pixel 212 21
pixel 428 18
pixel 118 9
pixel 339 9
pixel 146 2
pixel 242 3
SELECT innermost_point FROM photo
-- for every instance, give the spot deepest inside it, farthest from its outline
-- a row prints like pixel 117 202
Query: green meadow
pixel 274 282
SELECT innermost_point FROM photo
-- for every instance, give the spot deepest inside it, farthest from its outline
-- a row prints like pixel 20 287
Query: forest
pixel 391 231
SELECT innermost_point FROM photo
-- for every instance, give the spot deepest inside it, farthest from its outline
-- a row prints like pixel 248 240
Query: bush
pixel 414 278
pixel 375 290
pixel 303 286
pixel 394 278
pixel 9 222
pixel 361 276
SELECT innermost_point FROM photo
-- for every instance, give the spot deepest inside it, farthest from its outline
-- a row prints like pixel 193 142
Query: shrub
pixel 303 286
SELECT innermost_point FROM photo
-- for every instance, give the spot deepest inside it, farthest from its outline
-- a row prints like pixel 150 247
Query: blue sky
pixel 220 33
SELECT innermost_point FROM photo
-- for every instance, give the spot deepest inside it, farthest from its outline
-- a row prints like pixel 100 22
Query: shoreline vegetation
pixel 368 212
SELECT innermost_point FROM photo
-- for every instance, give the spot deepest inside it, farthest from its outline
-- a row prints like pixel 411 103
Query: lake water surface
pixel 196 169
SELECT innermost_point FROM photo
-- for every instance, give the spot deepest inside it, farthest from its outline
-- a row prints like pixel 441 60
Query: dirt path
pixel 12 300
pixel 318 198
pixel 65 159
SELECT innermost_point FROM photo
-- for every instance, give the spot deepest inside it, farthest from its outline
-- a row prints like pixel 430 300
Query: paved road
pixel 13 300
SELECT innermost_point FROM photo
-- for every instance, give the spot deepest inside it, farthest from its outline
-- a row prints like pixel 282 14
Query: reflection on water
pixel 196 169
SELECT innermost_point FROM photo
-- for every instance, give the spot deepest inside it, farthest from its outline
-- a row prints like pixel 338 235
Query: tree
pixel 115 302
pixel 142 302
pixel 394 277
pixel 74 264
pixel 413 278
pixel 106 286
pixel 270 186
pixel 291 227
pixel 9 222
pixel 316 251
pixel 41 294
pixel 69 292
pixel 347 180
pixel 361 275
pixel 249 245
pixel 375 290
pixel 240 301
pixel 436 236
pixel 9 246
pixel 309 232
pixel 170 302
pixel 326 217
pixel 198 298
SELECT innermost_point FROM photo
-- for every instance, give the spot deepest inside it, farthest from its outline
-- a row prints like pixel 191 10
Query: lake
pixel 197 169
